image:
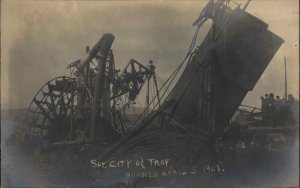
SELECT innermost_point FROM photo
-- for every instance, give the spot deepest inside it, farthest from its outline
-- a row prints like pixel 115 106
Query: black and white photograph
pixel 150 94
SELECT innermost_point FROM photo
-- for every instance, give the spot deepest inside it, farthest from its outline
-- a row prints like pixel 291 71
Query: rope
pixel 190 55
pixel 173 75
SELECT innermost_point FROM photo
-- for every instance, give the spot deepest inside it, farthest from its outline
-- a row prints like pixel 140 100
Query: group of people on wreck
pixel 277 111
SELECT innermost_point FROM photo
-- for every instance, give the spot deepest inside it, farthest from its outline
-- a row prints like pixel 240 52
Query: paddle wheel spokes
pixel 52 110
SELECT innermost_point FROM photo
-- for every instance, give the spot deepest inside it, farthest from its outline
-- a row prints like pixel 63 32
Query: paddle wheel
pixel 52 110
pixel 94 101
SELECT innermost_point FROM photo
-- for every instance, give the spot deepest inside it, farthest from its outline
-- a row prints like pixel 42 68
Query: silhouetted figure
pixel 126 81
pixel 265 106
pixel 278 108
pixel 272 110
pixel 292 109
pixel 151 66
pixel 140 76
pixel 291 98
pixel 127 77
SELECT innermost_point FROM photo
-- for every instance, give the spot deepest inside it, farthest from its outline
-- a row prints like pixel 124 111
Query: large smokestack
pixel 100 48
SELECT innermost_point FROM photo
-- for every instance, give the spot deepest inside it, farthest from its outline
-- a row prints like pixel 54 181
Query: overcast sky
pixel 39 38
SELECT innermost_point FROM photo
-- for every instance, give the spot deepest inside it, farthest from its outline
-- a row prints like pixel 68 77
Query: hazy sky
pixel 39 38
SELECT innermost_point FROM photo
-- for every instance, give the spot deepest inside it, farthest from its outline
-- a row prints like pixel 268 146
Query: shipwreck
pixel 89 107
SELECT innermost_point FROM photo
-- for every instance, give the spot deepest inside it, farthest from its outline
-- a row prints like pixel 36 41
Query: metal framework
pixel 94 98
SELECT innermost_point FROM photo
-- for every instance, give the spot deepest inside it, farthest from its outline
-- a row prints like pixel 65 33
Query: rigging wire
pixel 190 55
pixel 173 75
pixel 171 78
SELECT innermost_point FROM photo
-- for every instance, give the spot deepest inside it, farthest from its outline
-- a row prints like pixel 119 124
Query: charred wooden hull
pixel 225 67
pixel 218 76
